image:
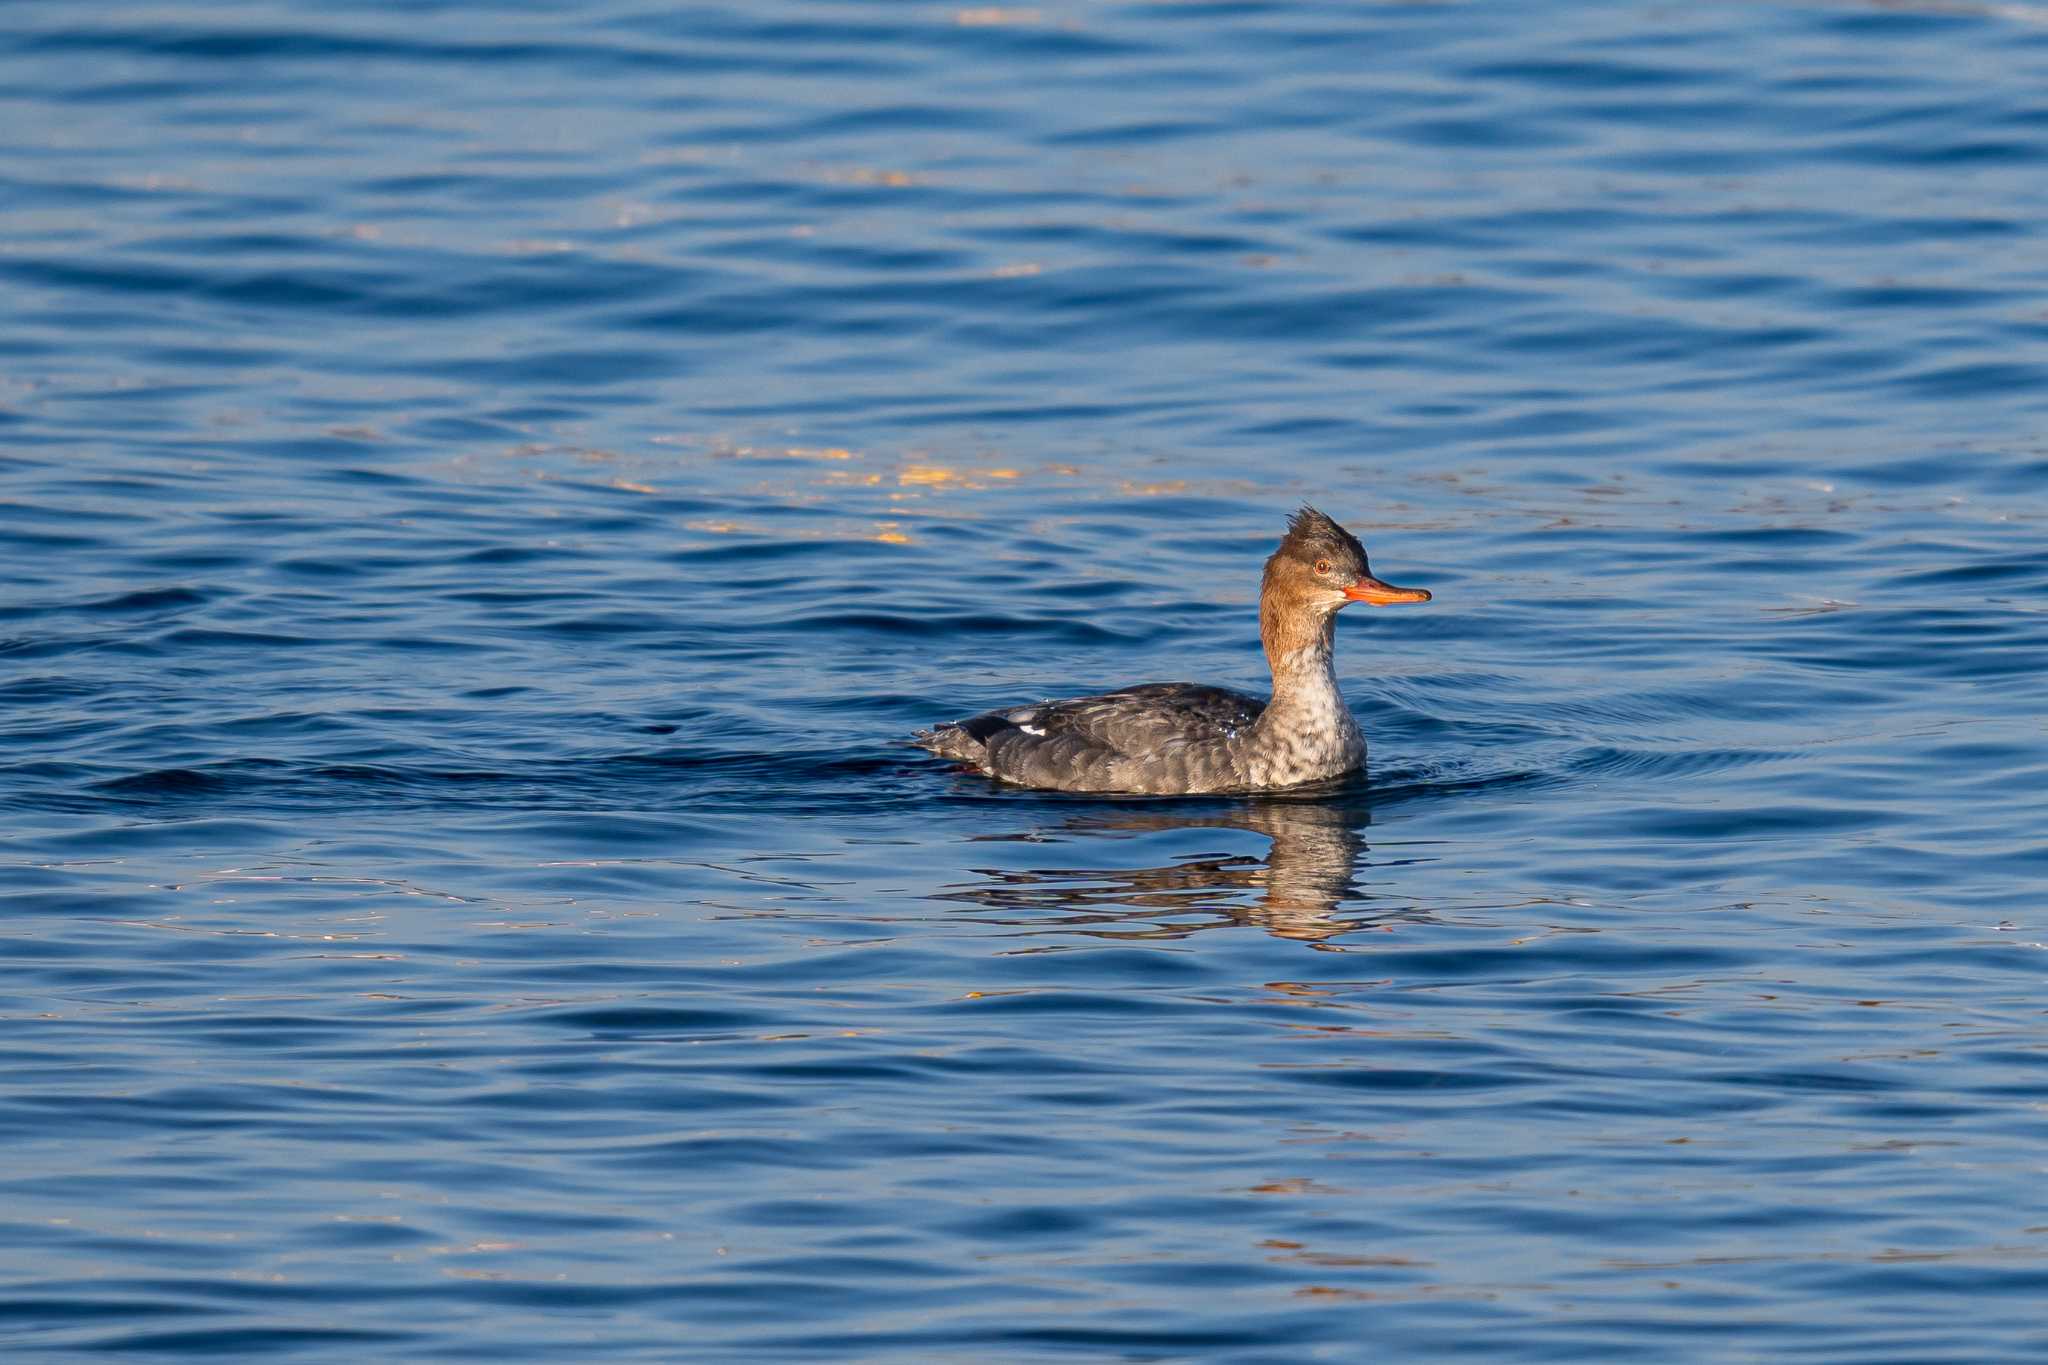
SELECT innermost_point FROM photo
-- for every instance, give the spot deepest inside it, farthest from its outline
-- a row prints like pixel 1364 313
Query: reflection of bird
pixel 1305 876
pixel 1180 738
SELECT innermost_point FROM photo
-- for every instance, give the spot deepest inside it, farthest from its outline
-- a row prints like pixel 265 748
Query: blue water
pixel 486 488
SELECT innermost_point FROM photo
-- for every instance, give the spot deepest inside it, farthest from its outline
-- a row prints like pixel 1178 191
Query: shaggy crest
pixel 1311 535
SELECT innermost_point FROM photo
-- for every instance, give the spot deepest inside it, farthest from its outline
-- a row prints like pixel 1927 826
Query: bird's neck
pixel 1306 733
pixel 1299 650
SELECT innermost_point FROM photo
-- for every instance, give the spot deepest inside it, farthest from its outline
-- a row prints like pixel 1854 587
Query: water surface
pixel 485 491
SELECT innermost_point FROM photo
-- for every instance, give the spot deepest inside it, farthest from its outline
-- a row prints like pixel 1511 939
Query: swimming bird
pixel 1169 739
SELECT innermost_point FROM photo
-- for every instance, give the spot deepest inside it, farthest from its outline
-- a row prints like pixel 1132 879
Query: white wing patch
pixel 1031 729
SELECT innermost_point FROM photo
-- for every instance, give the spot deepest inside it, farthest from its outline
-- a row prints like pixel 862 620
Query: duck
pixel 1184 739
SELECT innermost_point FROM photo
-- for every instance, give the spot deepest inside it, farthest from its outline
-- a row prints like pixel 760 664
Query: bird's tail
pixel 951 741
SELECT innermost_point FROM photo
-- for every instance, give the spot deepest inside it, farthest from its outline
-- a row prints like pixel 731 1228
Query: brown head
pixel 1319 569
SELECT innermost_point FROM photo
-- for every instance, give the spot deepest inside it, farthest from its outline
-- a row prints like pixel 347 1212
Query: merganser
pixel 1173 739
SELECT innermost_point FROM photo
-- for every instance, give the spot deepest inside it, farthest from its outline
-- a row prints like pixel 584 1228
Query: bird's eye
pixel 1322 566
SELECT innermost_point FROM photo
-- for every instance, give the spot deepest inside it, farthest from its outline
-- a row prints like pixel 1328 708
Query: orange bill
pixel 1370 589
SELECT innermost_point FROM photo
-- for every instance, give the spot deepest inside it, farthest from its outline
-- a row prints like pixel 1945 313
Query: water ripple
pixel 486 497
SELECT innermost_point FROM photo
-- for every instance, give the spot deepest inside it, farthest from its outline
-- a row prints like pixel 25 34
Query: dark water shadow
pixel 1306 887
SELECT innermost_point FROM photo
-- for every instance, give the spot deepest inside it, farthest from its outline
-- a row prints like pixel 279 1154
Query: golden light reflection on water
pixel 1299 1253
pixel 944 476
pixel 1426 1291
pixel 882 532
pixel 1299 1184
pixel 871 175
pixel 837 467
pixel 721 448
pixel 880 496
pixel 992 16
